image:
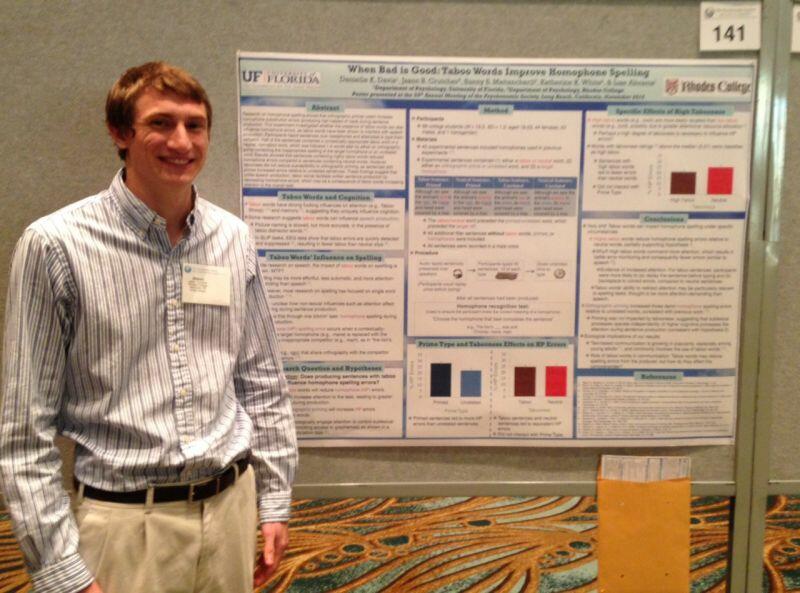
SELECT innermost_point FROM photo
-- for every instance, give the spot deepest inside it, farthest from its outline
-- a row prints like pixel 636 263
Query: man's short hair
pixel 158 75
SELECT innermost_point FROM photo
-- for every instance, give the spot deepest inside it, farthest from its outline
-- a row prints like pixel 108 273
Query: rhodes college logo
pixel 671 86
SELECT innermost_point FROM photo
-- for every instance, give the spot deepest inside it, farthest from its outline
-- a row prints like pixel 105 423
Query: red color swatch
pixel 555 382
pixel 720 181
pixel 524 381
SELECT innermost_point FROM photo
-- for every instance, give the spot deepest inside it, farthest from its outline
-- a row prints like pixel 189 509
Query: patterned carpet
pixel 782 545
pixel 470 545
pixel 477 545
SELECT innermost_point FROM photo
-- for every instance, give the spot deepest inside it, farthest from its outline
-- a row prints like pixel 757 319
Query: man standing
pixel 137 325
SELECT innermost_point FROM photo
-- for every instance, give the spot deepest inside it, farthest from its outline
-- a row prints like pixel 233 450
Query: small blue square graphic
pixel 470 383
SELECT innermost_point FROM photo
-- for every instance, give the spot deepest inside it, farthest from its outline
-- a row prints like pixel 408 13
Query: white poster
pixel 501 252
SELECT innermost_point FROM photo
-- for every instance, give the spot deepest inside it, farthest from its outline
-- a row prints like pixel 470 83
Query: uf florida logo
pixel 251 75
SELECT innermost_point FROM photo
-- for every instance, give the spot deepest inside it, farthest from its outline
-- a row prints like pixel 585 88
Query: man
pixel 137 325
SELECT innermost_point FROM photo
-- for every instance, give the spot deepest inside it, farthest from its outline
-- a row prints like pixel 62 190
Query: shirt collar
pixel 140 216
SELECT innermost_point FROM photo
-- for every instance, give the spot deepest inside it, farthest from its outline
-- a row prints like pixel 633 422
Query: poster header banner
pixel 465 79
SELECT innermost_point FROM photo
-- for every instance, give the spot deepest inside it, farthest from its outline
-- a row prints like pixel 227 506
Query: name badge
pixel 206 285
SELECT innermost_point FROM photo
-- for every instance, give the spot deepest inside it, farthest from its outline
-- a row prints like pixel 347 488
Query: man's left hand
pixel 276 538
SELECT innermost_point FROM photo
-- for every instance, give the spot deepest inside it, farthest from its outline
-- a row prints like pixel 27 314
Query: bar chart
pixel 509 388
pixel 718 182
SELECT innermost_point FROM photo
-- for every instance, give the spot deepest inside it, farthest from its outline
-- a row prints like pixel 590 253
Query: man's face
pixel 168 145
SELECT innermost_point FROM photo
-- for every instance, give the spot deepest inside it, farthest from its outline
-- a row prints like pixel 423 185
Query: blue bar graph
pixel 470 383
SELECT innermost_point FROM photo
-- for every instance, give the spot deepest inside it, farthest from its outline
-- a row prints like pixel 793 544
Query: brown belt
pixel 192 492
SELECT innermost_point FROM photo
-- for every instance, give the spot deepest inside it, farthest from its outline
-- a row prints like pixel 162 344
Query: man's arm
pixel 262 390
pixel 38 325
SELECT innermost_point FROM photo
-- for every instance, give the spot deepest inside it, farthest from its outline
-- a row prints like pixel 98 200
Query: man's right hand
pixel 93 588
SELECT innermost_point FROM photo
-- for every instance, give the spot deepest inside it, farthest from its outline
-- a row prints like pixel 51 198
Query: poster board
pixel 466 251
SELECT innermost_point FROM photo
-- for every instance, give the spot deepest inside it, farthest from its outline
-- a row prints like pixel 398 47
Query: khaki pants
pixel 173 547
